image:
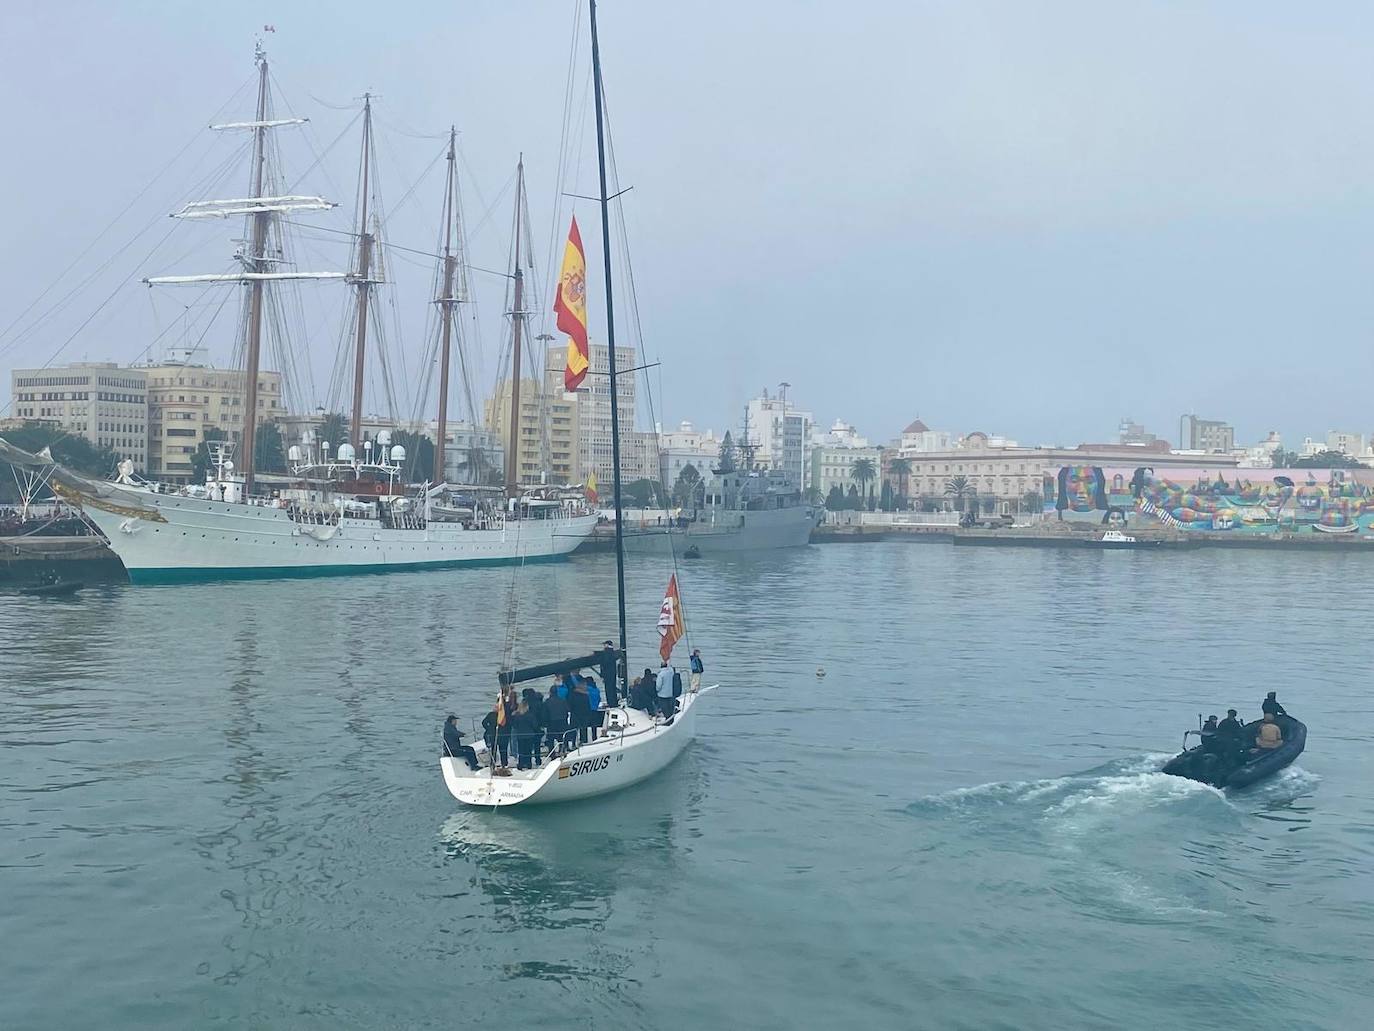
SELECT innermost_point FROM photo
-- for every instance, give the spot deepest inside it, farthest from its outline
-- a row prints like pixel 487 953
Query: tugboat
pixel 1210 762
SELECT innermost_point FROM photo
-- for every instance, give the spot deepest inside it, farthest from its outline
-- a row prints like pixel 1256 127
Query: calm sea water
pixel 222 805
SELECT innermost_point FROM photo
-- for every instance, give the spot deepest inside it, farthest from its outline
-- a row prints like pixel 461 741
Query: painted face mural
pixel 1082 488
pixel 1236 501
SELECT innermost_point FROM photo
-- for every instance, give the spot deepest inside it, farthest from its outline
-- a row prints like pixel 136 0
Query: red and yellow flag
pixel 592 496
pixel 671 622
pixel 571 306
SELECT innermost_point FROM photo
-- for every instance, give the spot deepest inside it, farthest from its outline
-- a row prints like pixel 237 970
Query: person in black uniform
pixel 489 734
pixel 1270 706
pixel 536 704
pixel 610 678
pixel 453 744
pixel 1229 735
pixel 556 721
pixel 526 731
pixel 580 706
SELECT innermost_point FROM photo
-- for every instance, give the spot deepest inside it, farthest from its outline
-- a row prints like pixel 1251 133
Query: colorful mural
pixel 1225 501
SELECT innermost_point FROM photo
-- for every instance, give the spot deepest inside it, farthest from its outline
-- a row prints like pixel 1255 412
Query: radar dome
pixel 346 453
pixel 293 453
pixel 383 438
pixel 398 453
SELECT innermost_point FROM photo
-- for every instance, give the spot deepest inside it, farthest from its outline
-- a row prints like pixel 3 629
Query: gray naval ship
pixel 736 509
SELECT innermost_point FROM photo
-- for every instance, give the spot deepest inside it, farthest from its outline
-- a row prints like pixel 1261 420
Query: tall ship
pixel 342 506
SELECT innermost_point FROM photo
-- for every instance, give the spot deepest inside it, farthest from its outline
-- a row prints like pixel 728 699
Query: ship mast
pixel 362 279
pixel 447 301
pixel 258 260
pixel 257 266
pixel 517 323
pixel 610 350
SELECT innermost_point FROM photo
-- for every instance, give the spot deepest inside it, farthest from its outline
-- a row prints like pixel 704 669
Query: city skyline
pixel 1046 243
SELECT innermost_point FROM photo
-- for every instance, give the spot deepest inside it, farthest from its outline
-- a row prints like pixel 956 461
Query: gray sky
pixel 1023 218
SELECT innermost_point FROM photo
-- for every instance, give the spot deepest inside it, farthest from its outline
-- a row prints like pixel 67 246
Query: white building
pixel 1261 455
pixel 782 433
pixel 833 455
pixel 918 438
pixel 686 446
pixel 471 453
pixel 1352 444
pixel 100 401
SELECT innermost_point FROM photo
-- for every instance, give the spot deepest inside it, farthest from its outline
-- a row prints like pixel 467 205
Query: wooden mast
pixel 610 351
pixel 446 303
pixel 258 263
pixel 517 323
pixel 364 283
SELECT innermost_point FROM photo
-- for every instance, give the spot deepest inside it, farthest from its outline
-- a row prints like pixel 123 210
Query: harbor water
pixel 220 804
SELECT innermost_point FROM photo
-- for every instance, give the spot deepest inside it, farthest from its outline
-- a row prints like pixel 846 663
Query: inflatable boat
pixel 1210 762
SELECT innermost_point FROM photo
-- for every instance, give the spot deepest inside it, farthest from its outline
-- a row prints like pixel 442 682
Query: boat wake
pixel 1122 841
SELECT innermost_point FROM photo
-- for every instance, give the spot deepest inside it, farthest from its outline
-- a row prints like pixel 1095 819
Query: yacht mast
pixel 517 322
pixel 610 350
pixel 362 280
pixel 446 303
pixel 257 263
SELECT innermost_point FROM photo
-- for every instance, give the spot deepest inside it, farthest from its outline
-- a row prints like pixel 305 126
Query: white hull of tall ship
pixel 715 533
pixel 168 538
pixel 623 757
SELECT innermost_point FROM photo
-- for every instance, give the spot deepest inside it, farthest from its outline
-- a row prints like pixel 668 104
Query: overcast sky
pixel 1025 218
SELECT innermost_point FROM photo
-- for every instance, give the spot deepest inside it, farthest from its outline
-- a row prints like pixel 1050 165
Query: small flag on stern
pixel 592 495
pixel 571 307
pixel 671 624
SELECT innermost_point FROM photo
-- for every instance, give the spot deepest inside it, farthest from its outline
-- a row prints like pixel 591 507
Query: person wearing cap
pixel 453 744
pixel 1270 706
pixel 698 668
pixel 609 674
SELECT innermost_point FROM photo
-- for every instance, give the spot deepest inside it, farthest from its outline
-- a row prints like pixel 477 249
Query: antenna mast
pixel 446 303
pixel 363 281
pixel 610 349
pixel 517 322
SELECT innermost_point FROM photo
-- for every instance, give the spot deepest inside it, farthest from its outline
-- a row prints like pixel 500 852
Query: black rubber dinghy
pixel 1214 767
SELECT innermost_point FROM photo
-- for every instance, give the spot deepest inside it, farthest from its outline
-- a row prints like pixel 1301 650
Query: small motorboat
pixel 692 552
pixel 1115 539
pixel 52 589
pixel 1210 763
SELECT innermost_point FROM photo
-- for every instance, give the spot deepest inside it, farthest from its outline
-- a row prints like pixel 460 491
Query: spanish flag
pixel 571 307
pixel 592 496
pixel 671 622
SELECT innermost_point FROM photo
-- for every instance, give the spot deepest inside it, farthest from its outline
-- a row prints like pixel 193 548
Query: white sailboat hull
pixel 164 538
pixel 597 768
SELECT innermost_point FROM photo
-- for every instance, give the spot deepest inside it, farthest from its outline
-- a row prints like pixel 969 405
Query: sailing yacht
pixel 337 511
pixel 634 744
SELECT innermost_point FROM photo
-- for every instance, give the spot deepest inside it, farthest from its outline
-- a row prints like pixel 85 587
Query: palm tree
pixel 685 490
pixel 960 488
pixel 900 468
pixel 863 473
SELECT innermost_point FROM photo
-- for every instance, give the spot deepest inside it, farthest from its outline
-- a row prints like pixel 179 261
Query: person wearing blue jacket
pixel 598 715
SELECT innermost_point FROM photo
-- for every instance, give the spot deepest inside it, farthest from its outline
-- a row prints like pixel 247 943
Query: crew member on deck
pixel 526 731
pixel 453 744
pixel 1271 705
pixel 556 734
pixel 698 668
pixel 598 715
pixel 1270 736
pixel 580 705
pixel 610 677
pixel 664 690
